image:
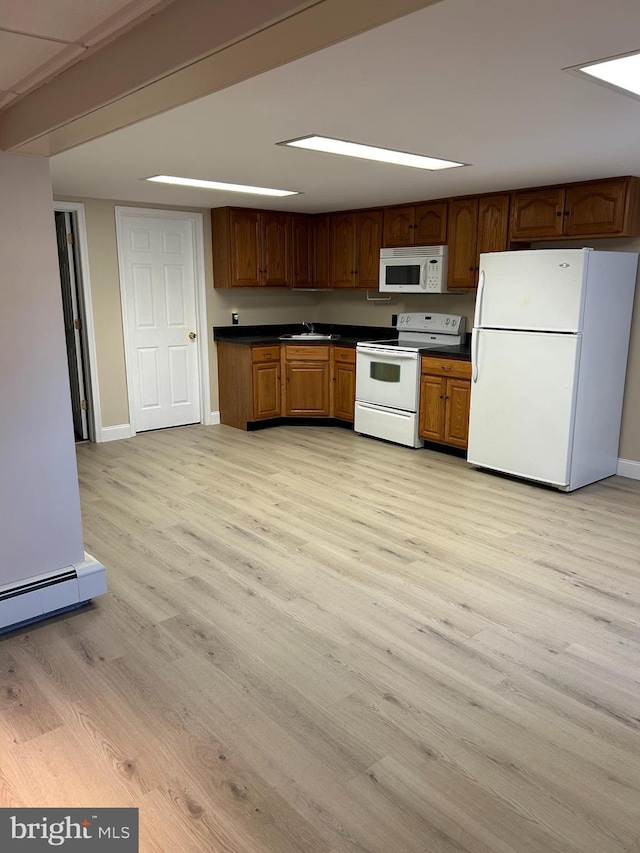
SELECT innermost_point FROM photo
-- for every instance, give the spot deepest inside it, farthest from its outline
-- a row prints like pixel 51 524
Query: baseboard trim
pixel 215 418
pixel 629 468
pixel 115 433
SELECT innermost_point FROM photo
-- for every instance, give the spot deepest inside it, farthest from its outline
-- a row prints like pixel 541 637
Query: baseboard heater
pixel 42 596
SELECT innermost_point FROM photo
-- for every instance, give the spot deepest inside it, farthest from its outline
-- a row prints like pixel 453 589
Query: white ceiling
pixel 478 82
pixel 39 38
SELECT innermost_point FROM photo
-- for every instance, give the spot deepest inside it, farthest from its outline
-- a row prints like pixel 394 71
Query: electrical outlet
pixel 235 318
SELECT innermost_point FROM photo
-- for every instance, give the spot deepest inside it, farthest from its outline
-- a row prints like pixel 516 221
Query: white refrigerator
pixel 549 355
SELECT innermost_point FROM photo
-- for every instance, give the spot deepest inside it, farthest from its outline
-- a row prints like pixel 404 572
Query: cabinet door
pixel 342 249
pixel 493 224
pixel 307 389
pixel 276 249
pixel 246 256
pixel 344 391
pixel 456 422
pixel 320 251
pixel 463 228
pixel 301 239
pixel 266 390
pixel 430 224
pixel 399 224
pixel 537 214
pixel 432 403
pixel 595 209
pixel 368 244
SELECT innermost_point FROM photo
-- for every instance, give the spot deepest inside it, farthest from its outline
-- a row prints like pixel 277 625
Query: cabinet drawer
pixel 304 353
pixel 446 367
pixel 344 354
pixel 271 353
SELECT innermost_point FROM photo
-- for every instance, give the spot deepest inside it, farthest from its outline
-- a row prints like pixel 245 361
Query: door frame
pixel 76 209
pixel 197 221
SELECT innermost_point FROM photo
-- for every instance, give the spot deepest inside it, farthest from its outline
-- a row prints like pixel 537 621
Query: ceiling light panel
pixel 220 185
pixel 620 72
pixel 328 145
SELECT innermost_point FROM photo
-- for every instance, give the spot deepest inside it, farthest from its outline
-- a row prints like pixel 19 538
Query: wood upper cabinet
pixel 415 224
pixel 320 250
pixel 302 243
pixel 251 248
pixel 306 381
pixel 245 248
pixel 596 209
pixel 355 240
pixel 607 208
pixel 344 383
pixel 276 249
pixel 493 223
pixel 537 214
pixel 368 244
pixel 342 249
pixel 445 395
pixel 463 242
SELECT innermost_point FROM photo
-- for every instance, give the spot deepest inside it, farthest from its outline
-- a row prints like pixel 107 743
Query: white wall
pixel 40 522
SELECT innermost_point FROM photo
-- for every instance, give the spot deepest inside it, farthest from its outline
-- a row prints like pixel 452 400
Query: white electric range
pixel 388 375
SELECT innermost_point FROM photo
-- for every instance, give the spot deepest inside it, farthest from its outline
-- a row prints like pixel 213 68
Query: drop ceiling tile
pixel 20 55
pixel 71 20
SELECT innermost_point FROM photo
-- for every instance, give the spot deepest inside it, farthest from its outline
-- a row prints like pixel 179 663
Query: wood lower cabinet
pixel 251 248
pixel 445 394
pixel 249 383
pixel 306 381
pixel 415 224
pixel 607 208
pixel 344 383
pixel 266 390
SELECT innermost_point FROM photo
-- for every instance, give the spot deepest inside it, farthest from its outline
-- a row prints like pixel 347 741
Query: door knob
pixel 192 336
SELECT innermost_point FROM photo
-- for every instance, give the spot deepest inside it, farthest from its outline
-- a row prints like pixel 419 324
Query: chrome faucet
pixel 309 326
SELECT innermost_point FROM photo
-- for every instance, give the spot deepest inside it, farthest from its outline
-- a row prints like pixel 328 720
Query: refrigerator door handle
pixel 478 315
pixel 474 355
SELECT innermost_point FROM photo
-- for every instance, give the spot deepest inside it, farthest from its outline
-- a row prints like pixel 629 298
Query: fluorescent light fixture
pixel 219 185
pixel 370 152
pixel 619 72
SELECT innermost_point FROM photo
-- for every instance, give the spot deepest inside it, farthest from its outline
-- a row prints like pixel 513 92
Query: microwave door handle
pixel 423 284
pixel 478 316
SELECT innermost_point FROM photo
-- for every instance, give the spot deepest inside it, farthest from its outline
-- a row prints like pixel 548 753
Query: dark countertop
pixel 347 336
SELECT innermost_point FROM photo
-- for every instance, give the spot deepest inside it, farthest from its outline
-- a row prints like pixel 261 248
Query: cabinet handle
pixel 566 213
pixel 558 213
pixel 442 396
pixel 471 269
pixel 443 367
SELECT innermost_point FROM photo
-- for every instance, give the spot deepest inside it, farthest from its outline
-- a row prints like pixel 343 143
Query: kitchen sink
pixel 308 336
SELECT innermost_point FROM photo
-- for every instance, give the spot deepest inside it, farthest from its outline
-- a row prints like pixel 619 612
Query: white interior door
pixel 523 402
pixel 160 320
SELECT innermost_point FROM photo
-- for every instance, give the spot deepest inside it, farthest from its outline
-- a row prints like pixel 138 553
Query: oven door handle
pixel 385 353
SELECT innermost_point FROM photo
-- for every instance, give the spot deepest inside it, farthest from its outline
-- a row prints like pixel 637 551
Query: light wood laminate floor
pixel 321 643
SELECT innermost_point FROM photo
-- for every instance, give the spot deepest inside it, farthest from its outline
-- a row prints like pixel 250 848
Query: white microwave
pixel 414 269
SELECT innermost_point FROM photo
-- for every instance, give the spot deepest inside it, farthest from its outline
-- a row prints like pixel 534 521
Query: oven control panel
pixel 448 324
